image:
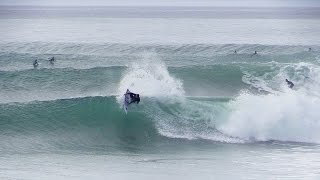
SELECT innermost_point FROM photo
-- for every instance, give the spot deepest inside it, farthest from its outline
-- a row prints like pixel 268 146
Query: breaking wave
pixel 230 98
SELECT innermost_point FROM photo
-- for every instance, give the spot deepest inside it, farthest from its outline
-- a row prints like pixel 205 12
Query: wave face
pixel 189 93
pixel 99 122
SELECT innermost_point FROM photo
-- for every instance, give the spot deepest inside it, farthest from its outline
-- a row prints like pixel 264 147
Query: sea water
pixel 210 108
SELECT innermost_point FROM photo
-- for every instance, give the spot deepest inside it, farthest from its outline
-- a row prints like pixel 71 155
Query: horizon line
pixel 189 6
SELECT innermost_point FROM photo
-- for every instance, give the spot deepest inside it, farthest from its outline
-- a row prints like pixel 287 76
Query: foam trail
pixel 192 120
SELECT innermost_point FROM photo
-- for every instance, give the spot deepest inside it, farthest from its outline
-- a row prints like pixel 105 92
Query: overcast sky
pixel 257 3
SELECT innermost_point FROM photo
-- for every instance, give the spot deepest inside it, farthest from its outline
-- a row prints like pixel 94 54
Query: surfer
pixel 129 98
pixel 290 84
pixel 133 97
pixel 235 51
pixel 51 60
pixel 255 53
pixel 35 63
pixel 309 49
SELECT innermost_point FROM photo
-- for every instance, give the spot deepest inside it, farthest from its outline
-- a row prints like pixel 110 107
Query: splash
pixel 150 78
pixel 288 115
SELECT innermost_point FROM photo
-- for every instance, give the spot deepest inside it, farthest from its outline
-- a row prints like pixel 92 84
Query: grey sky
pixel 266 3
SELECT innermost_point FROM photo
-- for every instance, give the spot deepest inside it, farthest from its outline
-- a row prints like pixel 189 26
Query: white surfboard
pixel 126 101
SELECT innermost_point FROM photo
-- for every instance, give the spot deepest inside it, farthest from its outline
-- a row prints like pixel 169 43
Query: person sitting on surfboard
pixel 35 63
pixel 133 97
pixel 51 60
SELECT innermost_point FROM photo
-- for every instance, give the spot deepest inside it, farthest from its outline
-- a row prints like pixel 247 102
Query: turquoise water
pixel 205 111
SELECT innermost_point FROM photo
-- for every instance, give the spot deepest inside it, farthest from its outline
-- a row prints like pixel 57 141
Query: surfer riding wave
pixel 130 98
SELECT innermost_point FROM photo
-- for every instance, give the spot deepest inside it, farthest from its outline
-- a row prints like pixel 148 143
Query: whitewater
pixel 210 108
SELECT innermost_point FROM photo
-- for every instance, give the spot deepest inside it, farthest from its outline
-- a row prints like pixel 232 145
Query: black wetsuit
pixel 290 84
pixel 134 98
pixel 51 60
pixel 35 63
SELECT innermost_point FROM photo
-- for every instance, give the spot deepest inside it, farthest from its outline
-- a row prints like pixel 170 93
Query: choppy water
pixel 205 112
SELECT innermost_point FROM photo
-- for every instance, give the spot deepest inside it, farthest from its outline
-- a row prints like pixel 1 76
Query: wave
pixel 284 114
pixel 50 84
pixel 99 122
pixel 289 116
pixel 71 123
pixel 56 112
pixel 221 80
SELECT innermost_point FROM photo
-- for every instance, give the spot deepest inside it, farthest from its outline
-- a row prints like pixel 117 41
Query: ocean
pixel 210 107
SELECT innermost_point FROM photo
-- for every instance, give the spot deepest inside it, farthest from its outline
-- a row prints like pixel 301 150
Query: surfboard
pixel 125 105
pixel 126 102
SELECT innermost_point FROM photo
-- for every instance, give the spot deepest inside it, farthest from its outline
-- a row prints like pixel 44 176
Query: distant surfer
pixel 309 49
pixel 290 84
pixel 51 60
pixel 130 98
pixel 235 51
pixel 35 63
pixel 255 53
